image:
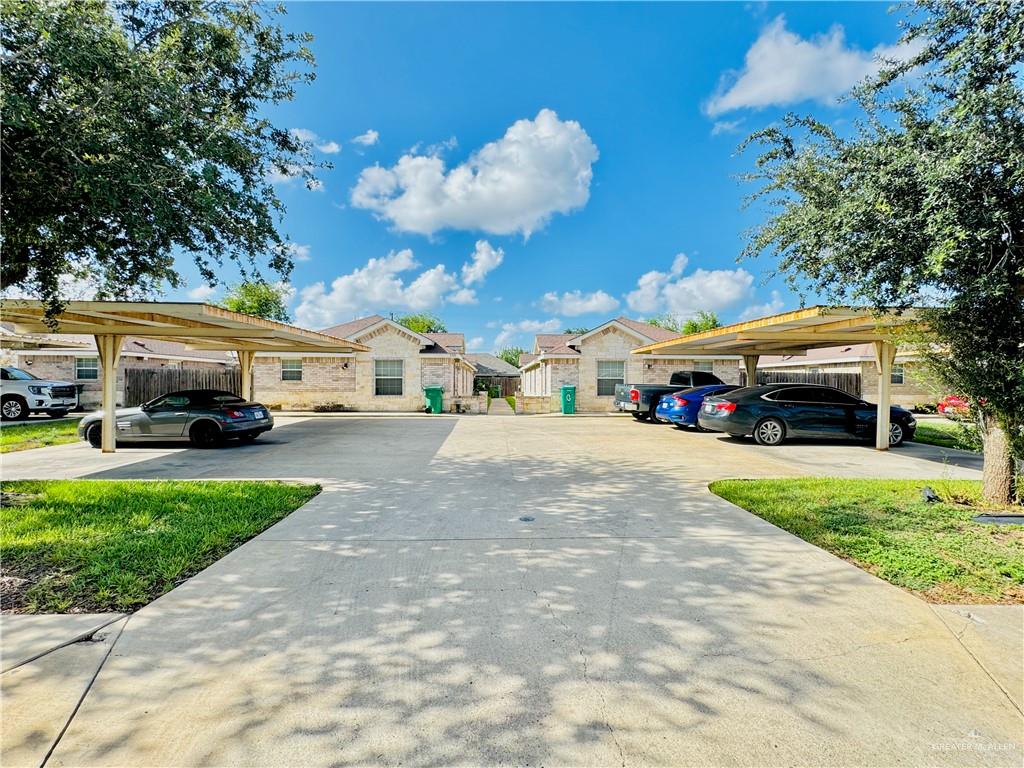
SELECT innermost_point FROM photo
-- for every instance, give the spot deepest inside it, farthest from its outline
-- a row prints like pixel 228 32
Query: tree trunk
pixel 997 482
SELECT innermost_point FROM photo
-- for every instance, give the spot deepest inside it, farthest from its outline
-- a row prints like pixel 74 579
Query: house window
pixel 291 370
pixel 387 377
pixel 708 366
pixel 896 377
pixel 609 373
pixel 87 368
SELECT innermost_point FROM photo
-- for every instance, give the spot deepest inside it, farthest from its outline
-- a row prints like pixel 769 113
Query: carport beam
pixel 750 366
pixel 246 361
pixel 885 354
pixel 109 348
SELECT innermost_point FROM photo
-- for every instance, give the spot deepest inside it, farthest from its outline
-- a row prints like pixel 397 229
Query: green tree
pixel 259 300
pixel 133 131
pixel 576 331
pixel 923 199
pixel 422 322
pixel 511 355
pixel 702 321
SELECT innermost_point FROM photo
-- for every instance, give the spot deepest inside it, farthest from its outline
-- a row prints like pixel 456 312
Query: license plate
pixel 259 414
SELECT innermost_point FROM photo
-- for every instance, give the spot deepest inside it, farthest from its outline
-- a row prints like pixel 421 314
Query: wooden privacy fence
pixel 507 384
pixel 143 384
pixel 848 382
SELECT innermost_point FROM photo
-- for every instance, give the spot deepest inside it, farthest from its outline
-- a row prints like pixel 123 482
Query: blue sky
pixel 528 167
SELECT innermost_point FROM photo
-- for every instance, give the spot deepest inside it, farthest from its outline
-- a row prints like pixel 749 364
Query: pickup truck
pixel 641 400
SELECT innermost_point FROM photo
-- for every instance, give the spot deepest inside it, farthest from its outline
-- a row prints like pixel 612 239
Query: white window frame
pixel 898 374
pixel 291 366
pixel 377 378
pixel 615 379
pixel 79 368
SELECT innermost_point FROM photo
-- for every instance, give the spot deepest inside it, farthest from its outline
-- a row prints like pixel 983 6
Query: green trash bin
pixel 568 399
pixel 433 397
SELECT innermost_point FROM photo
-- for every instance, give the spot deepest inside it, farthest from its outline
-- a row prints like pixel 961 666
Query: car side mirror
pixel 144 407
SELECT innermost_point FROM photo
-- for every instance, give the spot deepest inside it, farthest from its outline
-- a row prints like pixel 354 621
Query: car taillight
pixel 679 400
pixel 634 395
pixel 233 414
pixel 727 407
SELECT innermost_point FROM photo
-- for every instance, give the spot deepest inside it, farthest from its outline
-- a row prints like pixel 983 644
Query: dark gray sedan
pixel 204 417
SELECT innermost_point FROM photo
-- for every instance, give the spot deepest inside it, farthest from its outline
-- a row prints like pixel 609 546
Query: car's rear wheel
pixel 94 434
pixel 205 435
pixel 770 431
pixel 640 416
pixel 13 408
pixel 896 435
pixel 653 417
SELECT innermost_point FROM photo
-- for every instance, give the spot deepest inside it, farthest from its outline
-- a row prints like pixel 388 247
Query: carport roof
pixel 10 339
pixel 790 333
pixel 198 326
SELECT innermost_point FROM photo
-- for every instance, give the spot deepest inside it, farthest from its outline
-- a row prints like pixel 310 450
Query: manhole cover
pixel 1000 519
pixel 526 519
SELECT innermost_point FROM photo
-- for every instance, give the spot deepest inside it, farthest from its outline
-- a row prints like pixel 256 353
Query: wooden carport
pixel 198 326
pixel 793 333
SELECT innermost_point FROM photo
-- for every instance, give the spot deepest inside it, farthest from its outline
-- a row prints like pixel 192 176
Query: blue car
pixel 681 408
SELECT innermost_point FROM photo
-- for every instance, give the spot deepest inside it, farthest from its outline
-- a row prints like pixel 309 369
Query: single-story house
pixel 390 377
pixel 595 361
pixel 492 371
pixel 82 366
pixel 910 384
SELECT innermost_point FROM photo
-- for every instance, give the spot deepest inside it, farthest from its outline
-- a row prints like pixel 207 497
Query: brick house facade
pixel 595 361
pixel 390 377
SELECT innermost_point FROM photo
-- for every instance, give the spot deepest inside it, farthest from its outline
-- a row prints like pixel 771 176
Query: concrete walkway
pixel 535 591
pixel 500 407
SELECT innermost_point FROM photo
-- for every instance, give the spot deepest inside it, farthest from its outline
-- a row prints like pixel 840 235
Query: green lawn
pixel 511 400
pixel 36 434
pixel 108 545
pixel 884 526
pixel 948 434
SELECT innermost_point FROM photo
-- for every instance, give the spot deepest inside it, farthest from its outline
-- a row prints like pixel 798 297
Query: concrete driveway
pixel 514 591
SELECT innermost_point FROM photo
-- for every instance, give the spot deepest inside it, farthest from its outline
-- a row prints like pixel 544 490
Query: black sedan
pixel 773 412
pixel 204 417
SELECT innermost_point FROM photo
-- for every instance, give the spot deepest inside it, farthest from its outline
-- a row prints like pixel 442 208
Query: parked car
pixel 641 400
pixel 954 407
pixel 774 412
pixel 204 417
pixel 681 408
pixel 21 393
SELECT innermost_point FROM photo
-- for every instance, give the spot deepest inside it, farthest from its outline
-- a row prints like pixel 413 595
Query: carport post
pixel 109 348
pixel 750 366
pixel 885 353
pixel 246 361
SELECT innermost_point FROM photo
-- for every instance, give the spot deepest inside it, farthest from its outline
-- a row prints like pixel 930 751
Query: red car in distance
pixel 954 407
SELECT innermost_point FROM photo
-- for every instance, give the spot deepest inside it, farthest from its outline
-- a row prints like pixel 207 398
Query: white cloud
pixel 310 137
pixel 463 296
pixel 511 331
pixel 513 185
pixel 782 68
pixel 726 126
pixel 291 173
pixel 573 303
pixel 202 292
pixel 475 343
pixel 485 259
pixel 297 252
pixel 686 294
pixel 770 307
pixel 379 284
pixel 367 139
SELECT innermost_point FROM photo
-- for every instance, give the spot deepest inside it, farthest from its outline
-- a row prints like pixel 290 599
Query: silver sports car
pixel 204 417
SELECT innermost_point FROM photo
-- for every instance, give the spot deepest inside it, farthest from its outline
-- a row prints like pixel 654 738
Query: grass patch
pixel 108 545
pixel 948 434
pixel 37 434
pixel 511 400
pixel 884 526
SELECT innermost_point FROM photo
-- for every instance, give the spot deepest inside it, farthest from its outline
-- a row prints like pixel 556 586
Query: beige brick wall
pixel 916 388
pixel 528 404
pixel 324 380
pixel 610 344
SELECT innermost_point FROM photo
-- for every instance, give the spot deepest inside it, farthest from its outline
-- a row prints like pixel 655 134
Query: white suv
pixel 21 393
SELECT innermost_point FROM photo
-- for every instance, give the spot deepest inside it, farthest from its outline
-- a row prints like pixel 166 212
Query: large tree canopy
pixel 922 202
pixel 422 322
pixel 132 132
pixel 704 320
pixel 259 300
